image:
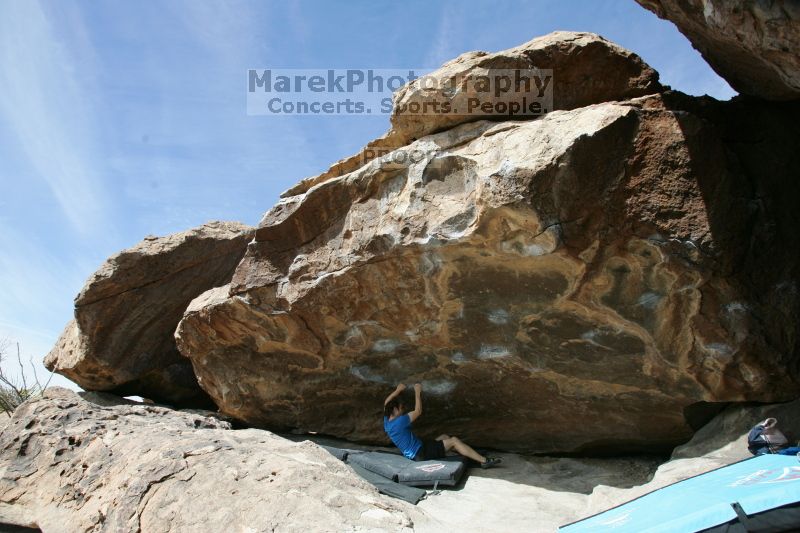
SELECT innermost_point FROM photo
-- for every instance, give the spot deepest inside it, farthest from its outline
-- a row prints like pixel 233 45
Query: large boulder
pixel 121 339
pixel 95 464
pixel 755 46
pixel 587 69
pixel 601 278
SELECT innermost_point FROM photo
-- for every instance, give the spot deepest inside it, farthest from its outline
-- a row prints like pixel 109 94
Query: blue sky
pixel 122 119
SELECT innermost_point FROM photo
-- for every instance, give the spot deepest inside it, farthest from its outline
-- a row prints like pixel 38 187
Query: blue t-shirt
pixel 399 430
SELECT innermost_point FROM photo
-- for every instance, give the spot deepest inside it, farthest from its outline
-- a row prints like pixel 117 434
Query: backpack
pixel 765 437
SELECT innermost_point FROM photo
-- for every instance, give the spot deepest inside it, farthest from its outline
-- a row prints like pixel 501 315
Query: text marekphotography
pixel 366 92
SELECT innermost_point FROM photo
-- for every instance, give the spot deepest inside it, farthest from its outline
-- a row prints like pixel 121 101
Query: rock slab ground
pixel 98 463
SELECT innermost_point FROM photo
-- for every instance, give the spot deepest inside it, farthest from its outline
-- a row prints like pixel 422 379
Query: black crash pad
pixel 442 472
pixel 386 486
pixel 394 475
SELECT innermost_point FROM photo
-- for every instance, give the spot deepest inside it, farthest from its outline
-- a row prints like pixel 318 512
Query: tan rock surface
pixel 122 337
pixel 69 464
pixel 587 69
pixel 755 46
pixel 592 279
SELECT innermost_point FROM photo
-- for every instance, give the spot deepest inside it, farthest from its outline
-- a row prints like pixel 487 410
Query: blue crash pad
pixel 758 485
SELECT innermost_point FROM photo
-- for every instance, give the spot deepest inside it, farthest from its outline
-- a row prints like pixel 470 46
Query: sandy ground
pixel 541 494
pixel 533 493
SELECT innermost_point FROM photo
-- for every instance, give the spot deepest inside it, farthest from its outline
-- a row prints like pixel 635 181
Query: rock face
pixel 122 336
pixel 595 279
pixel 755 46
pixel 587 69
pixel 95 464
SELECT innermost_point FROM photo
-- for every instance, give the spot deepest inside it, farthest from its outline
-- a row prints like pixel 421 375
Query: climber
pixel 765 437
pixel 397 424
